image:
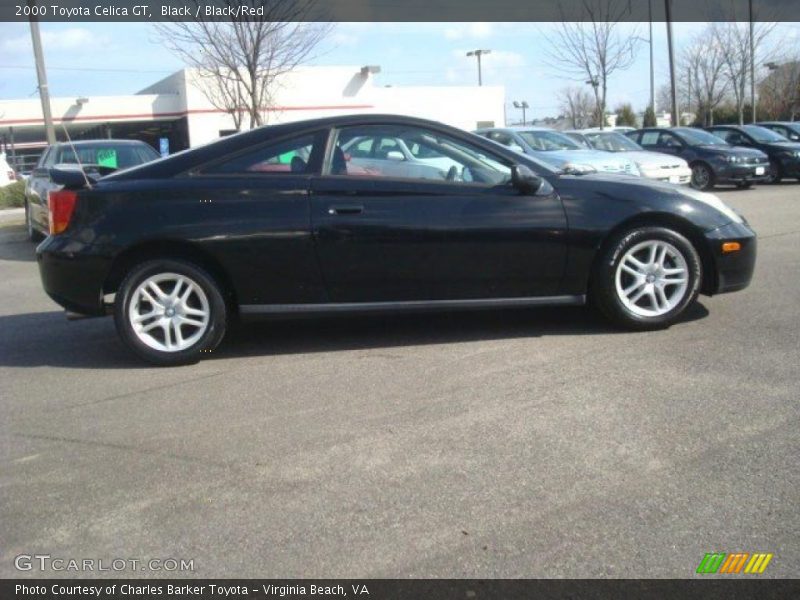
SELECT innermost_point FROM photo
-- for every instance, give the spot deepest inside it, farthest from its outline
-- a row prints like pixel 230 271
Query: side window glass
pixel 650 138
pixel 667 140
pixel 43 161
pixel 403 152
pixel 289 156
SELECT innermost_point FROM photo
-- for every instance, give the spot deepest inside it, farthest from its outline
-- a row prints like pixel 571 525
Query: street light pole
pixel 652 63
pixel 524 106
pixel 477 54
pixel 673 88
pixel 41 74
pixel 752 64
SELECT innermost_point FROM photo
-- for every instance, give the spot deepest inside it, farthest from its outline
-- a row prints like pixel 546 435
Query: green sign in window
pixel 107 157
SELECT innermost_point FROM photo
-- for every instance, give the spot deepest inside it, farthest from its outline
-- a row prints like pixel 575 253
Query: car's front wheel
pixel 170 312
pixel 647 278
pixel 702 176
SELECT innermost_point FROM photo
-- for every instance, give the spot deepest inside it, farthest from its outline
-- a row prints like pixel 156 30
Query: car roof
pixel 188 159
pixel 79 143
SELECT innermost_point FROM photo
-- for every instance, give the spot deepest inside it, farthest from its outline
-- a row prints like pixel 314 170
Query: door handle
pixel 346 209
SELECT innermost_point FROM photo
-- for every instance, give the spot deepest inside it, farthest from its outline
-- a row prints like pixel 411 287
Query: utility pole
pixel 752 63
pixel 524 106
pixel 41 74
pixel 477 54
pixel 652 64
pixel 673 89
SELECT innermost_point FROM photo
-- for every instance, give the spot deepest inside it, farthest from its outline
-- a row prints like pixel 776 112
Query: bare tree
pixel 779 91
pixel 733 39
pixel 702 65
pixel 577 105
pixel 593 47
pixel 240 60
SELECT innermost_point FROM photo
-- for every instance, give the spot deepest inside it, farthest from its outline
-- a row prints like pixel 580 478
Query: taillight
pixel 61 204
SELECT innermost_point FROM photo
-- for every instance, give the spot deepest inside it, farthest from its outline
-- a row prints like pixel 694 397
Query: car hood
pixel 739 151
pixel 599 160
pixel 653 159
pixel 787 145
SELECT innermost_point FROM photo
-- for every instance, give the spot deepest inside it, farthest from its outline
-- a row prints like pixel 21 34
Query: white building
pixel 176 109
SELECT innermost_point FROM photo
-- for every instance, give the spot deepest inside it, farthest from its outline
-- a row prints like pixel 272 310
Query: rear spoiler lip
pixel 73 177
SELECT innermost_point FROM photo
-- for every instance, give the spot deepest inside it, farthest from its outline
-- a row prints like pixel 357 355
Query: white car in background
pixel 558 150
pixel 653 165
pixel 7 174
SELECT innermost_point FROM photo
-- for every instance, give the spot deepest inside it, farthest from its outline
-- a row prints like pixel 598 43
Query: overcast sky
pixel 86 59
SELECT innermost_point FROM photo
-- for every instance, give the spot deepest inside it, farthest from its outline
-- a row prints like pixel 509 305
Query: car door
pixel 669 143
pixel 259 198
pixel 384 238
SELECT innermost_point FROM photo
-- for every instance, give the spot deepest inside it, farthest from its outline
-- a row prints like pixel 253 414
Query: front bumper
pixel 73 279
pixel 734 270
pixel 681 176
pixel 733 173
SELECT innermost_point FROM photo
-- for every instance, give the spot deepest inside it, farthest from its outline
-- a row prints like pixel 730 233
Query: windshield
pixel 613 142
pixel 762 134
pixel 698 137
pixel 548 140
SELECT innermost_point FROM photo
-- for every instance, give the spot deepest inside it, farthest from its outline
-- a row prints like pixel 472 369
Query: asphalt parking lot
pixel 526 443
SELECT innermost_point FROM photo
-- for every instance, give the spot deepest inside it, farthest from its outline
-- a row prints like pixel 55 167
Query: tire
pixel 33 234
pixel 702 176
pixel 774 175
pixel 611 279
pixel 180 328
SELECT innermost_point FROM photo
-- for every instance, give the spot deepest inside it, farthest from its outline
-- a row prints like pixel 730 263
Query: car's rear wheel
pixel 702 176
pixel 170 312
pixel 647 278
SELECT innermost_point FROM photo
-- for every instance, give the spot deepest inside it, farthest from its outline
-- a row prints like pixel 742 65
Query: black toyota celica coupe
pixel 369 213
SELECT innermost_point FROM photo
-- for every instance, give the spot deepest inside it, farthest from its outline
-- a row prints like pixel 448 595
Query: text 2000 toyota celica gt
pixel 374 213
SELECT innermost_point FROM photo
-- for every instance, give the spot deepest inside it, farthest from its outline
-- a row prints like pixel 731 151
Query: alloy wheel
pixel 700 177
pixel 169 312
pixel 652 278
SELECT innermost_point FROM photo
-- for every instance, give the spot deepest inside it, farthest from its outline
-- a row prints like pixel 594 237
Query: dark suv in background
pixel 784 154
pixel 99 157
pixel 712 159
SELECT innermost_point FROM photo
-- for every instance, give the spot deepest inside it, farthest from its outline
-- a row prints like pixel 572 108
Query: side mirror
pixel 516 148
pixel 525 180
pixel 395 155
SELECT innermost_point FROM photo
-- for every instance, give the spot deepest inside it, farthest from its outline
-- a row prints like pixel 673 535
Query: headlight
pixel 578 169
pixel 733 159
pixel 714 202
pixel 791 153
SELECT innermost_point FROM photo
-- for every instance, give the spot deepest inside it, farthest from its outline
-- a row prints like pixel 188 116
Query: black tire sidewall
pixel 775 172
pixel 605 293
pixel 218 318
pixel 711 178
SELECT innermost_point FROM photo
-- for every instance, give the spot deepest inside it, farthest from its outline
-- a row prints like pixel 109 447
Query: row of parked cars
pixel 724 154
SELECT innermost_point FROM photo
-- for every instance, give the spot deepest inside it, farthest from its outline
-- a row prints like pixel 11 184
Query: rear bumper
pixel 72 279
pixel 734 270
